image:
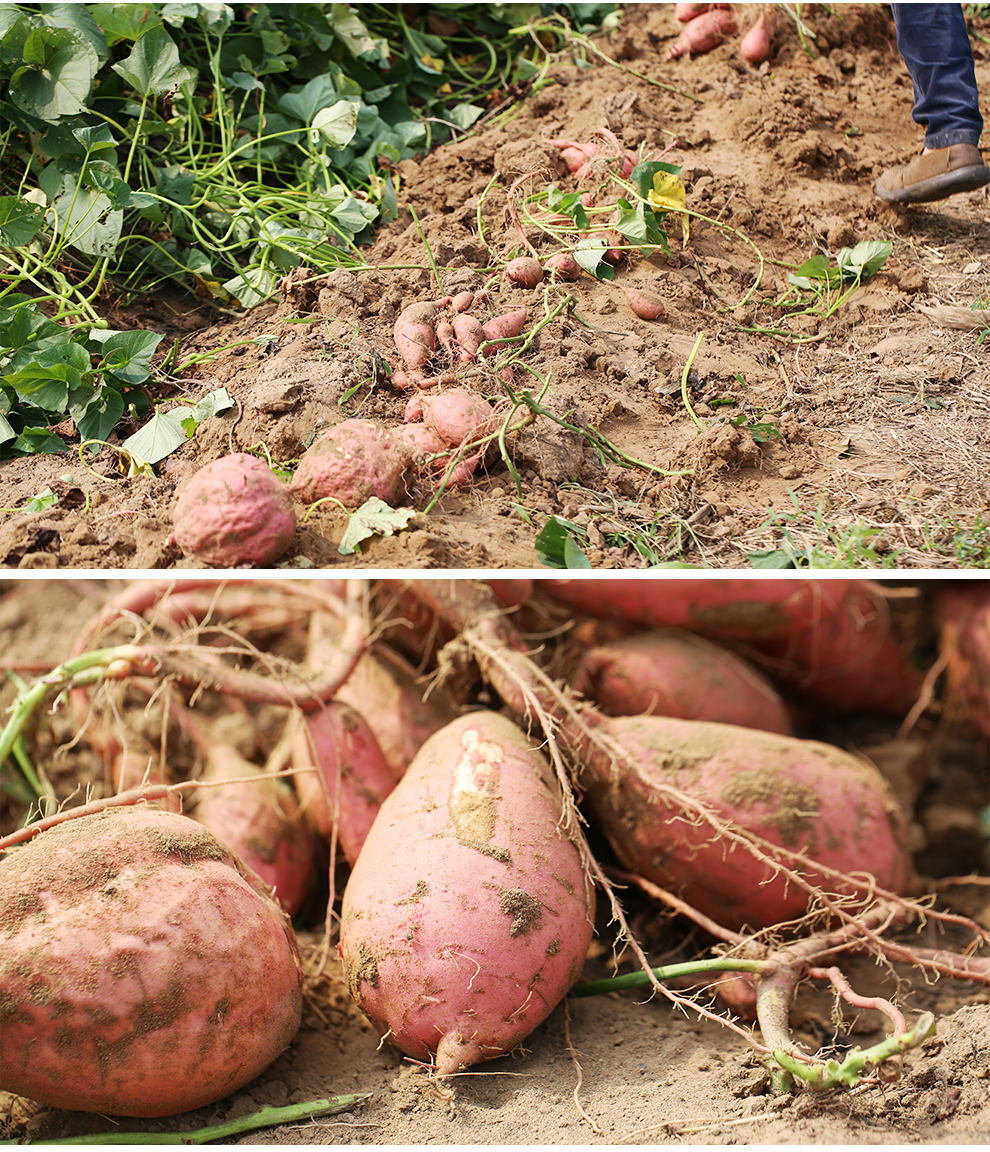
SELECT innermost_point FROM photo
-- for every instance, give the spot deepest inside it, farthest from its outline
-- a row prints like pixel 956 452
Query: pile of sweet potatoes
pixel 441 765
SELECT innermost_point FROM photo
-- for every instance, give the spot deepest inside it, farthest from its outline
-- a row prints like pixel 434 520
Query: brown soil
pixel 881 411
pixel 641 1071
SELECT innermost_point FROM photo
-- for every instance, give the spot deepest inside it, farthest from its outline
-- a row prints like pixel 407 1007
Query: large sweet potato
pixel 675 673
pixel 742 608
pixel 468 913
pixel 800 795
pixel 142 971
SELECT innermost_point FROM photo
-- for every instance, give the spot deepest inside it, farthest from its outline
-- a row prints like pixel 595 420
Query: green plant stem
pixel 684 380
pixel 264 1118
pixel 429 252
pixel 641 979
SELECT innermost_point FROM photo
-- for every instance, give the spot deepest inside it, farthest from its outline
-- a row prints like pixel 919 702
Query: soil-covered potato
pixel 143 971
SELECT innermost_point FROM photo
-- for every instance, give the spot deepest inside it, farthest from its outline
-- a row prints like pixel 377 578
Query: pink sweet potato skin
pixel 739 608
pixel 142 973
pixel 798 794
pixel 343 797
pixel 678 674
pixel 260 823
pixel 233 513
pixel 468 914
pixel 352 462
pixel 391 698
pixel 963 613
pixel 852 661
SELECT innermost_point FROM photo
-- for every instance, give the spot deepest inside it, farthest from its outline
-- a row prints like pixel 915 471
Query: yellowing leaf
pixel 431 62
pixel 668 194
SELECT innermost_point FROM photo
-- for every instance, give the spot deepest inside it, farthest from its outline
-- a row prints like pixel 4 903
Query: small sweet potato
pixel 678 674
pixel 352 462
pixel 502 328
pixel 703 33
pixel 470 335
pixel 342 798
pixel 963 614
pixel 563 266
pixel 754 47
pixel 234 513
pixel 524 271
pixel 143 971
pixel 457 416
pixel 415 334
pixel 645 304
pixel 468 913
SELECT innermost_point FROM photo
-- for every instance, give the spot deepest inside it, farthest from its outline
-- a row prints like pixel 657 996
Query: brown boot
pixel 958 168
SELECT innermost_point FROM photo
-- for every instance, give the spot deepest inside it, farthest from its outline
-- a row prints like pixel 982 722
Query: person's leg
pixel 934 42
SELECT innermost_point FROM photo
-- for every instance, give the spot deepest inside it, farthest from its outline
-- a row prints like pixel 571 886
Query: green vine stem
pixel 264 1118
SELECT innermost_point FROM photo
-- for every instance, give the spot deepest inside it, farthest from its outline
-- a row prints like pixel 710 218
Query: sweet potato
pixel 963 614
pixel 458 416
pixel 801 795
pixel 143 972
pixel 503 328
pixel 645 304
pixel 233 513
pixel 341 799
pixel 524 271
pixel 852 661
pixel 740 608
pixel 352 462
pixel 468 913
pixel 394 702
pixel 754 47
pixel 415 335
pixel 703 33
pixel 469 334
pixel 563 266
pixel 678 674
pixel 258 820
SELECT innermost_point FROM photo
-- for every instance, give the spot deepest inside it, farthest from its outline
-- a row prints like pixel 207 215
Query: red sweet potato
pixel 740 608
pixel 143 971
pixel 233 513
pixel 259 821
pixel 686 12
pixel 801 795
pixel 681 675
pixel 394 702
pixel 754 47
pixel 469 333
pixel 563 266
pixel 415 334
pixel 524 271
pixel 703 33
pixel 502 328
pixel 851 661
pixel 468 913
pixel 341 799
pixel 458 416
pixel 963 613
pixel 352 462
pixel 645 304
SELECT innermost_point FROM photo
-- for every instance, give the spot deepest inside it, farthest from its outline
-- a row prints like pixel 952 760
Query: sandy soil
pixel 621 1068
pixel 877 413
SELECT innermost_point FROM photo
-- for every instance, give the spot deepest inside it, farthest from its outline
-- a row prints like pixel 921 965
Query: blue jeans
pixel 934 42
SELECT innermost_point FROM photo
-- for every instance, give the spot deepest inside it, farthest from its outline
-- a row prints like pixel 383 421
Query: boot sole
pixel 938 187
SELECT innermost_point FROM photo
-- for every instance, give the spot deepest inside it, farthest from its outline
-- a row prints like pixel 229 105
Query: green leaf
pixel 86 218
pixel 253 286
pixel 127 355
pixel 590 255
pixel 20 221
pixel 357 39
pixel 641 177
pixel 79 19
pixel 776 559
pixel 125 21
pixel 373 518
pixel 58 77
pixel 153 67
pixel 867 257
pixel 6 432
pixel 98 417
pixel 46 380
pixel 557 548
pixel 34 441
pixel 817 268
pixel 464 115
pixel 167 431
pixel 303 105
pixel 160 436
pixel 335 125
